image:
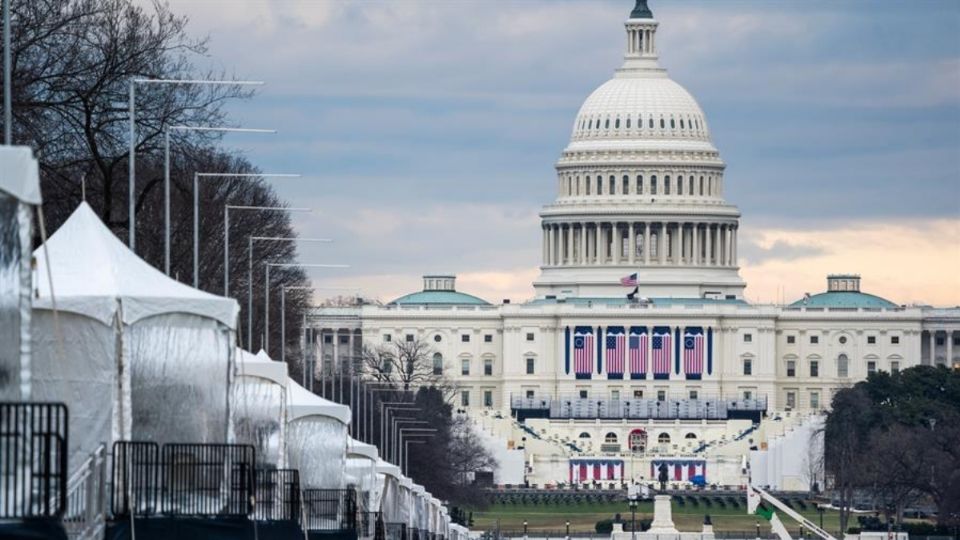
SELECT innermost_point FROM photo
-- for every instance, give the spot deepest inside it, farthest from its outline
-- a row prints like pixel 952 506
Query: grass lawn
pixel 584 516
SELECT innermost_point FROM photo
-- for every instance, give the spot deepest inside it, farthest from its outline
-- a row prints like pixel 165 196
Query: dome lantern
pixel 641 11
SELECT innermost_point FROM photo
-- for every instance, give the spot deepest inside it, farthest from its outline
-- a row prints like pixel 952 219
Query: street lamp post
pixel 397 431
pixel 250 241
pixel 568 529
pixel 166 177
pixel 385 409
pixel 283 318
pixel 131 160
pixel 196 210
pixel 524 528
pixel 406 453
pixel 266 293
pixel 226 236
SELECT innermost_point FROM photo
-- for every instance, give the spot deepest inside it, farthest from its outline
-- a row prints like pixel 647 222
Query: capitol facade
pixel 590 384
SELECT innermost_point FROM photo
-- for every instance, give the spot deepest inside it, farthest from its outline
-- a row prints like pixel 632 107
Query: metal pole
pixel 283 325
pixel 303 354
pixel 250 293
pixel 131 169
pixel 226 254
pixel 196 233
pixel 166 201
pixel 266 311
pixel 7 85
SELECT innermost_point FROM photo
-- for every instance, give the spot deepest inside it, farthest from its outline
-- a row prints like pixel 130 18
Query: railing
pixel 329 510
pixel 277 495
pixel 638 408
pixel 33 460
pixel 85 517
pixel 395 531
pixel 198 480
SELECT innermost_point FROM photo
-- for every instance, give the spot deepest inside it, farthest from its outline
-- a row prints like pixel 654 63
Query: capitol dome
pixel 640 190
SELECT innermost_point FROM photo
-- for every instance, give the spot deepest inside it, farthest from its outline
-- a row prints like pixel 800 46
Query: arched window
pixel 663 438
pixel 690 436
pixel 679 185
pixel 613 187
pixel 843 366
pixel 673 124
pixel 617 124
pixel 588 185
pixel 666 185
pixel 437 364
pixel 590 124
pixel 610 438
pixel 638 441
pixel 584 435
pixel 639 185
pixel 653 185
pixel 650 123
pixel 628 122
pixel 681 123
pixel 577 185
pixel 606 124
pixel 691 185
pixel 701 186
pixel 599 185
pixel 626 185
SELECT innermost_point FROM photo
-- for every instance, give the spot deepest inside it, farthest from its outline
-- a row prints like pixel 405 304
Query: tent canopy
pixel 389 469
pixel 19 174
pixel 93 270
pixel 356 448
pixel 260 365
pixel 305 403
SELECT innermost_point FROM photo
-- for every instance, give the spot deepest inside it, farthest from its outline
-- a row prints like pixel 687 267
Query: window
pixel 529 336
pixel 791 368
pixel 639 185
pixel 871 367
pixel 328 339
pixel 488 367
pixel 673 123
pixel 437 364
pixel 694 394
pixel 437 338
pixel 387 364
pixel 488 338
pixel 650 122
pixel 599 185
pixel 583 394
pixel 814 368
pixel 638 440
pixel 612 189
pixel 663 124
pixel 791 400
pixel 748 366
pixel 610 438
pixel 653 185
pixel 747 394
pixel 661 395
pixel 488 398
pixel 530 366
pixel 588 186
pixel 628 122
pixel 690 192
pixel 638 394
pixel 690 436
pixel 666 185
pixel 895 340
pixel 748 338
pixel 663 438
pixel 791 339
pixel 465 338
pixel 814 340
pixel 615 395
pixel 894 367
pixel 465 366
pixel 464 398
pixel 843 340
pixel 617 124
pixel 344 340
pixel 842 365
pixel 939 341
pixel 387 337
pixel 530 394
pixel 814 400
pixel 583 435
pixel 626 185
pixel 956 340
pixel 871 340
pixel 409 338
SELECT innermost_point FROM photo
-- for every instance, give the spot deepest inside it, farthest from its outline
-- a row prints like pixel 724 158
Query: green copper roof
pixel 440 298
pixel 641 11
pixel 844 299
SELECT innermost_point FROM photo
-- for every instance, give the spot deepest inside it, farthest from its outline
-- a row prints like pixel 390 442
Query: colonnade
pixel 640 39
pixel 672 243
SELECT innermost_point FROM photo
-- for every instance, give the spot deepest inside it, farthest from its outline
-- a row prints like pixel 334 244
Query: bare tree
pixel 410 364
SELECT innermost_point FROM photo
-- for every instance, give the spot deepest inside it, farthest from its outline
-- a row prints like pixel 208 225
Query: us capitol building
pixel 585 385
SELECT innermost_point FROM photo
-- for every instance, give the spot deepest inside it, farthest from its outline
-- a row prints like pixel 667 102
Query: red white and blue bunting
pixel 679 470
pixel 595 470
pixel 639 352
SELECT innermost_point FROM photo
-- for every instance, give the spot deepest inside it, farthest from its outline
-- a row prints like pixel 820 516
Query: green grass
pixel 583 517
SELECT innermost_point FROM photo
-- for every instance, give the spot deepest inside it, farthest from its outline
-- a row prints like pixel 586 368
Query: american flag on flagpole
pixel 582 353
pixel 693 353
pixel 638 353
pixel 629 281
pixel 661 353
pixel 616 351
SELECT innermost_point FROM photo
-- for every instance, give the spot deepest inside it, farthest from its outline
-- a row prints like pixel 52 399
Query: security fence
pixel 33 460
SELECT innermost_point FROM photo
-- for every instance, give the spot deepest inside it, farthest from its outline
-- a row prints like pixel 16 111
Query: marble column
pixel 646 243
pixel 678 244
pixel 949 344
pixel 933 347
pixel 662 243
pixel 569 258
pixel 735 259
pixel 695 253
pixel 708 236
pixel 632 243
pixel 615 245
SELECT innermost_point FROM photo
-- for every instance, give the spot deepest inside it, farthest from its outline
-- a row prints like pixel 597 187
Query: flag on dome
pixel 629 281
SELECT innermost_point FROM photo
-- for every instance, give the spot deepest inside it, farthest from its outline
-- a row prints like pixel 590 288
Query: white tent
pixel 19 189
pixel 361 472
pixel 259 398
pixel 316 438
pixel 389 494
pixel 134 354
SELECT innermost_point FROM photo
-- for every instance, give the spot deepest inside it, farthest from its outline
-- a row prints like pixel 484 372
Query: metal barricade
pixel 135 478
pixel 329 510
pixel 208 479
pixel 277 495
pixel 33 460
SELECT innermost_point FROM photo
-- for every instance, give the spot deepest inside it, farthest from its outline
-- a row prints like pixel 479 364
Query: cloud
pixel 778 250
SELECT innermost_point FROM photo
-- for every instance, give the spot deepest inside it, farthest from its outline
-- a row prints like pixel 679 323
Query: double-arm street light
pixel 416 432
pixel 283 321
pixel 250 241
pixel 196 209
pixel 131 160
pixel 226 236
pixel 166 176
pixel 266 292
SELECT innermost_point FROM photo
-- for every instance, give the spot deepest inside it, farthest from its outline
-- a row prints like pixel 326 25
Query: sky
pixel 427 131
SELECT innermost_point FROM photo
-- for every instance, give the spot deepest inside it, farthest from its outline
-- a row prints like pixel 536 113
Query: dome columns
pixel 640 243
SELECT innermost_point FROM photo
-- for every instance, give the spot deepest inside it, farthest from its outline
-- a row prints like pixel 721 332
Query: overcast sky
pixel 427 131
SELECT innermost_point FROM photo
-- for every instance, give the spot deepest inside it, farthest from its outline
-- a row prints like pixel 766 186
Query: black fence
pixel 330 510
pixel 277 495
pixel 33 460
pixel 369 524
pixel 196 480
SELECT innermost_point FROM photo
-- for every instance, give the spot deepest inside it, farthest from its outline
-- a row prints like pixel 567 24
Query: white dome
pixel 644 107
